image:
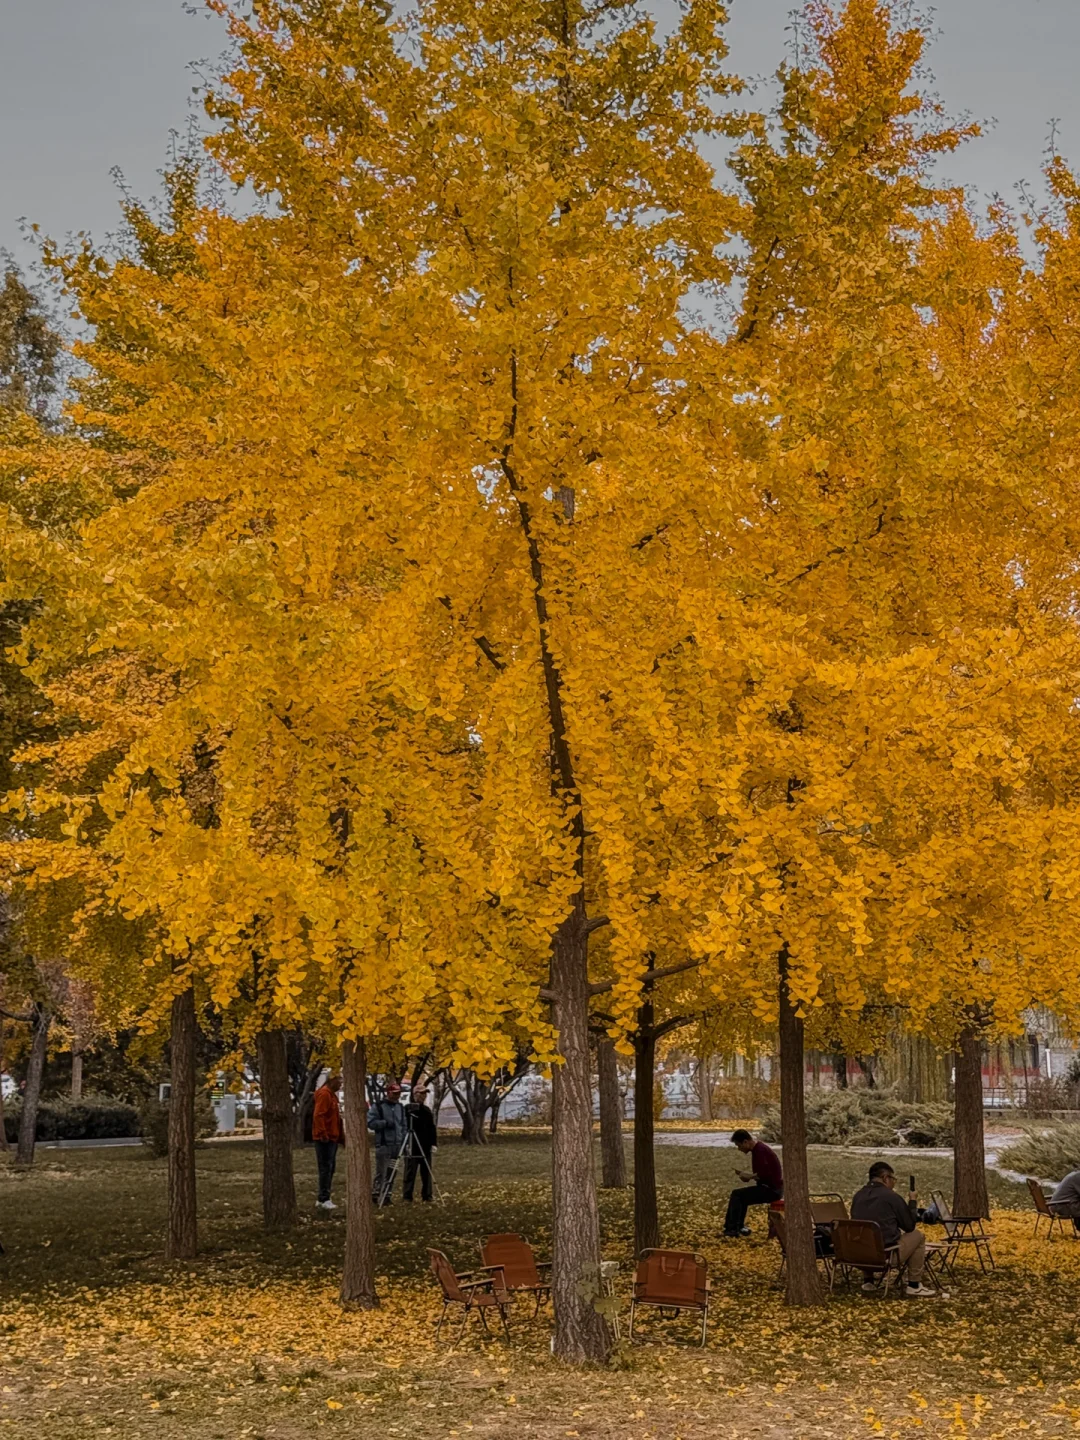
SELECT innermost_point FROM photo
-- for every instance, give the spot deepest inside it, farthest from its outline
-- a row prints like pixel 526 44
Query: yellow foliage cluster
pixel 431 467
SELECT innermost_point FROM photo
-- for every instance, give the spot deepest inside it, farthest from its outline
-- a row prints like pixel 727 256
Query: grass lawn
pixel 98 1336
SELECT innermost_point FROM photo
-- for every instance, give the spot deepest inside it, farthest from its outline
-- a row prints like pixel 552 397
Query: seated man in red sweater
pixel 768 1182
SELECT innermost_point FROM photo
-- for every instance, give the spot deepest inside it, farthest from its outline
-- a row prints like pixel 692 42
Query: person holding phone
pixel 765 1183
pixel 895 1217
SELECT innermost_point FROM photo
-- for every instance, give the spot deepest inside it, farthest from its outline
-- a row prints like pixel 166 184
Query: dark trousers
pixel 740 1202
pixel 421 1162
pixel 326 1160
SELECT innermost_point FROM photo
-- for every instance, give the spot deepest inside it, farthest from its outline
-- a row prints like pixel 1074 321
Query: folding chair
pixel 778 1231
pixel 1051 1211
pixel 471 1291
pixel 826 1209
pixel 961 1231
pixel 860 1245
pixel 671 1280
pixel 513 1255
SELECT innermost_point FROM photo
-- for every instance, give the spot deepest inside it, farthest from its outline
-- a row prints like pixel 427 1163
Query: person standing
pixel 766 1183
pixel 386 1121
pixel 423 1140
pixel 327 1133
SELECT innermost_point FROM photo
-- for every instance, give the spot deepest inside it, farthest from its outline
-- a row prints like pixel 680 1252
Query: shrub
pixel 867 1117
pixel 154 1121
pixel 95 1117
pixel 1049 1155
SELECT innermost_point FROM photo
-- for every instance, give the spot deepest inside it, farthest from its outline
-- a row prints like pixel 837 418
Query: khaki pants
pixel 913 1250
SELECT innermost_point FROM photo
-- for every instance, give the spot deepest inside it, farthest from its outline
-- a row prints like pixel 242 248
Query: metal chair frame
pixel 475 1293
pixel 961 1230
pixel 1045 1211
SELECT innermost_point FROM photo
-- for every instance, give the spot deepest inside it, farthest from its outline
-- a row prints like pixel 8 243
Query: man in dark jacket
pixel 878 1201
pixel 767 1182
pixel 386 1120
pixel 423 1139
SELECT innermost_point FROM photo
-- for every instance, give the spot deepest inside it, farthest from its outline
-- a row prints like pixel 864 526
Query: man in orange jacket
pixel 328 1134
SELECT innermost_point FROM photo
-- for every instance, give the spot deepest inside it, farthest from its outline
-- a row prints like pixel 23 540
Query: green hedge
pixel 867 1117
pixel 95 1117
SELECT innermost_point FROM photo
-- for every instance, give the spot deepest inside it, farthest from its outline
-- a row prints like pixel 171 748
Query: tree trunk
pixel 182 1240
pixel 646 1214
pixel 24 1155
pixel 969 1159
pixel 803 1283
pixel 358 1271
pixel 3 1132
pixel 840 1077
pixel 278 1186
pixel 76 1074
pixel 704 1082
pixel 581 1336
pixel 304 1102
pixel 612 1155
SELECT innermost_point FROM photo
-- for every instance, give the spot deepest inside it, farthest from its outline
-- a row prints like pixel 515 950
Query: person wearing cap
pixel 423 1140
pixel 386 1121
pixel 327 1133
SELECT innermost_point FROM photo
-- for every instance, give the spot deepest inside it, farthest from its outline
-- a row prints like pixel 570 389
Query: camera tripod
pixel 407 1153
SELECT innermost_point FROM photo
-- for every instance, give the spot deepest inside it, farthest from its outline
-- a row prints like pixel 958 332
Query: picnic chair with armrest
pixel 472 1291
pixel 1053 1212
pixel 513 1255
pixel 962 1230
pixel 672 1280
pixel 778 1231
pixel 860 1245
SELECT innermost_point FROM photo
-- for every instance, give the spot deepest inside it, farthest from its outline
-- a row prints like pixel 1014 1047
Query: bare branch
pixel 650 976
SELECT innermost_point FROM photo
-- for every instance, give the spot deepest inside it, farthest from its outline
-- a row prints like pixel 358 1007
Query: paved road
pixel 86 1144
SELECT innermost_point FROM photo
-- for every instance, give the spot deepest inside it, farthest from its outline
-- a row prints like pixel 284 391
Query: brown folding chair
pixel 827 1209
pixel 961 1231
pixel 778 1231
pixel 672 1280
pixel 471 1291
pixel 513 1255
pixel 1051 1211
pixel 859 1245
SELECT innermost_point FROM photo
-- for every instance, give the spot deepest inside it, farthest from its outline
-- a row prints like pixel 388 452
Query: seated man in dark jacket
pixel 878 1201
pixel 767 1186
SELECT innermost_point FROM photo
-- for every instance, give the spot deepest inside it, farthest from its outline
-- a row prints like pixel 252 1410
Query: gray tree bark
pixel 358 1270
pixel 612 1154
pixel 970 1198
pixel 182 1241
pixel 803 1282
pixel 278 1184
pixel 24 1154
pixel 76 1074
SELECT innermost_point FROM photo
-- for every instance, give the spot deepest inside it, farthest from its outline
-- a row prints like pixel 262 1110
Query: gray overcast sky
pixel 88 85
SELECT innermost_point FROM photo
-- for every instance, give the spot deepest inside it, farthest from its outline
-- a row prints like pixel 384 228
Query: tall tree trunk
pixel 76 1074
pixel 704 1085
pixel 646 1213
pixel 3 1132
pixel 304 1101
pixel 24 1155
pixel 358 1271
pixel 803 1283
pixel 278 1186
pixel 612 1155
pixel 840 1075
pixel 970 1198
pixel 581 1335
pixel 182 1240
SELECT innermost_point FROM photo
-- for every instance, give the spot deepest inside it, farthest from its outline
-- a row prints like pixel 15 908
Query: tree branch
pixel 649 977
